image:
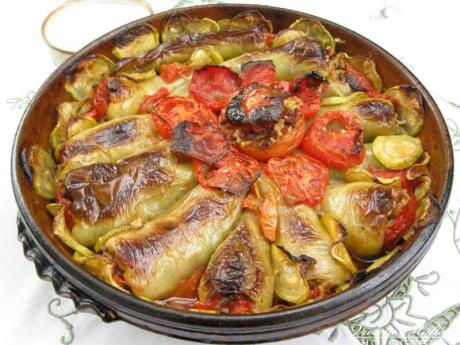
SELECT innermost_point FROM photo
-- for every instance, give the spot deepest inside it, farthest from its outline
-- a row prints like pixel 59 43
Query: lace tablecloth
pixel 425 309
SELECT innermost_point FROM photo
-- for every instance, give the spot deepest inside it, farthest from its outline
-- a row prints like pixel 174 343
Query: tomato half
pixel 282 146
pixel 204 142
pixel 169 111
pixel 234 173
pixel 172 71
pixel 264 122
pixel 308 89
pixel 301 179
pixel 359 82
pixel 262 72
pixel 214 86
pixel 341 148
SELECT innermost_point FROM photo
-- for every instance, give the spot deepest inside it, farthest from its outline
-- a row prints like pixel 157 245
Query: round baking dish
pixel 53 261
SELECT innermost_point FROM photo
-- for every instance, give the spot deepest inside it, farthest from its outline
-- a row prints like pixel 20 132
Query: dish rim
pixel 118 300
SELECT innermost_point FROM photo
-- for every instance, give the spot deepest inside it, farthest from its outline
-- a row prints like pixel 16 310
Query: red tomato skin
pixel 280 148
pixel 308 88
pixel 234 173
pixel 337 149
pixel 214 86
pixel 402 223
pixel 406 218
pixel 169 111
pixel 300 178
pixel 261 72
pixel 152 99
pixel 100 100
pixel 172 71
pixel 364 84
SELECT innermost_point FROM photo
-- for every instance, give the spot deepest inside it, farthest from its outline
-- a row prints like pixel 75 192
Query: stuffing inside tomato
pixel 214 86
pixel 336 139
pixel 300 178
pixel 264 122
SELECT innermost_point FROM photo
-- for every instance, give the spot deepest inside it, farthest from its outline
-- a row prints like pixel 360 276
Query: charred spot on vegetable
pixel 120 133
pixel 205 209
pixel 232 272
pixel 25 165
pixel 310 80
pixel 101 191
pixel 205 142
pixel 129 36
pixel 305 261
pixel 120 89
pixel 301 230
pixel 304 48
pixel 139 253
pixel 251 64
pixel 375 110
pixel 247 19
pixel 379 203
pixel 257 104
pixel 180 24
pixel 78 66
pixel 358 146
pixel 433 215
pixel 189 42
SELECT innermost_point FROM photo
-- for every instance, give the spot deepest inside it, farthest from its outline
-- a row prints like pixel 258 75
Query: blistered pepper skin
pixel 165 251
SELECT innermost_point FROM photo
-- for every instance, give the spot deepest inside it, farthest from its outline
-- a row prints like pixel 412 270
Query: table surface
pixel 425 309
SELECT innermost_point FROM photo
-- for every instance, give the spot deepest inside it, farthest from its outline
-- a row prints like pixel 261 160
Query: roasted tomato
pixel 406 217
pixel 358 82
pixel 188 288
pixel 204 142
pixel 169 111
pixel 236 305
pixel 337 148
pixel 264 122
pixel 234 173
pixel 214 86
pixel 262 72
pixel 308 88
pixel 172 71
pixel 149 101
pixel 301 179
pixel 100 100
pixel 268 217
pixel 240 306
